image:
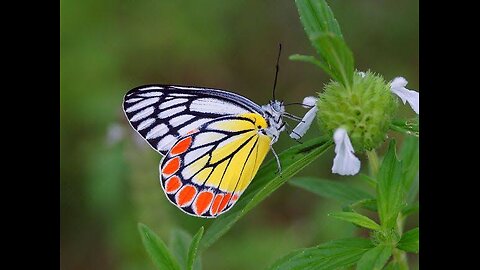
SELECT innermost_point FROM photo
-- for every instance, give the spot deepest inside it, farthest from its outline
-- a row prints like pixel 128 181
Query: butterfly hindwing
pixel 163 113
pixel 207 169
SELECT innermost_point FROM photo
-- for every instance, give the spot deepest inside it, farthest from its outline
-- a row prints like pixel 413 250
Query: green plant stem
pixel 374 163
pixel 400 258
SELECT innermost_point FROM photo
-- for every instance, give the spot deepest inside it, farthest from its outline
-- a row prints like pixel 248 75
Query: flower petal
pixel 307 119
pixel 309 101
pixel 345 162
pixel 412 97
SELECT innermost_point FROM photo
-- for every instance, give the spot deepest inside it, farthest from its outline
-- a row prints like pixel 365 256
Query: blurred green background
pixel 109 178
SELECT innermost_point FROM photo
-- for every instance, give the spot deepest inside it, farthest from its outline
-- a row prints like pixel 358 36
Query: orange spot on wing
pixel 171 166
pixel 234 198
pixel 173 184
pixel 185 195
pixel 203 201
pixel 224 202
pixel 181 146
pixel 216 204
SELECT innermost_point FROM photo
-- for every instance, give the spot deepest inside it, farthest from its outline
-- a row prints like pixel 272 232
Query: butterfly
pixel 212 140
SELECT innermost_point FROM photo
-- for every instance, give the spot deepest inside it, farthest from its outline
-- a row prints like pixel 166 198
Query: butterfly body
pixel 213 141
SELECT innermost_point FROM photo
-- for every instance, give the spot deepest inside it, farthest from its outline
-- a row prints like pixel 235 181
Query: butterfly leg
pixel 279 167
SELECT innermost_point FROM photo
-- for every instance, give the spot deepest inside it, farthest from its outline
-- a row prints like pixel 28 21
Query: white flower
pixel 115 133
pixel 304 125
pixel 345 162
pixel 398 88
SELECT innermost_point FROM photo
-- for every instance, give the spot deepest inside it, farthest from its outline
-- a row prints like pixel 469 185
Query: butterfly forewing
pixel 207 169
pixel 163 113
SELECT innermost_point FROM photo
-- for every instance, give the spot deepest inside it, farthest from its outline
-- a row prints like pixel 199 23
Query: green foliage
pixel 156 248
pixel 317 17
pixel 324 33
pixel 409 241
pixel 356 219
pixel 192 251
pixel 390 189
pixel 331 255
pixel 344 193
pixel 375 258
pixel 179 243
pixel 409 127
pixel 337 55
pixel 183 247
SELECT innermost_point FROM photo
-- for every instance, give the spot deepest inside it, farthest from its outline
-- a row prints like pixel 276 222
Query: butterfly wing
pixel 162 113
pixel 207 170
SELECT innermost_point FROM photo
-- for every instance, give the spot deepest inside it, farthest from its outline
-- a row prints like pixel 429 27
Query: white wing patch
pixel 157 131
pixel 146 123
pixel 142 114
pixel 211 105
pixel 142 104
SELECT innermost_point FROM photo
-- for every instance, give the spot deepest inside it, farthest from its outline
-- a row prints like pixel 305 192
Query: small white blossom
pixel 345 162
pixel 398 88
pixel 115 133
pixel 304 125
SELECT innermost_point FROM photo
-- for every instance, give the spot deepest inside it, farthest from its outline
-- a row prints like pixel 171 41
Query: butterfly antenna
pixel 276 69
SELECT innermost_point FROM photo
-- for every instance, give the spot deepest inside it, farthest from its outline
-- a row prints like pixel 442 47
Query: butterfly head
pixel 273 113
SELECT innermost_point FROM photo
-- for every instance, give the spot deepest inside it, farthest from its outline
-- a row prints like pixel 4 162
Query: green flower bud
pixel 365 111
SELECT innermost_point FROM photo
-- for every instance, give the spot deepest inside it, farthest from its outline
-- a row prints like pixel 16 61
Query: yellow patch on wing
pixel 250 149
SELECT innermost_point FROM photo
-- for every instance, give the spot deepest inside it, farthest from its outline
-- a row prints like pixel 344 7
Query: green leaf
pixel 331 255
pixel 369 204
pixel 312 60
pixel 317 17
pixel 331 189
pixel 324 33
pixel 409 241
pixel 157 249
pixel 179 243
pixel 192 251
pixel 390 191
pixel 409 155
pixel 409 127
pixel 357 219
pixel 368 179
pixel 265 182
pixel 337 55
pixel 375 258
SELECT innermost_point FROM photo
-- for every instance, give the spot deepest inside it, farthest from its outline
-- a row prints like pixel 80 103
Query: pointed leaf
pixel 390 192
pixel 192 252
pixel 409 241
pixel 337 55
pixel 357 219
pixel 375 258
pixel 312 60
pixel 317 17
pixel 409 155
pixel 267 181
pixel 331 255
pixel 331 189
pixel 156 248
pixel 179 242
pixel 409 127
